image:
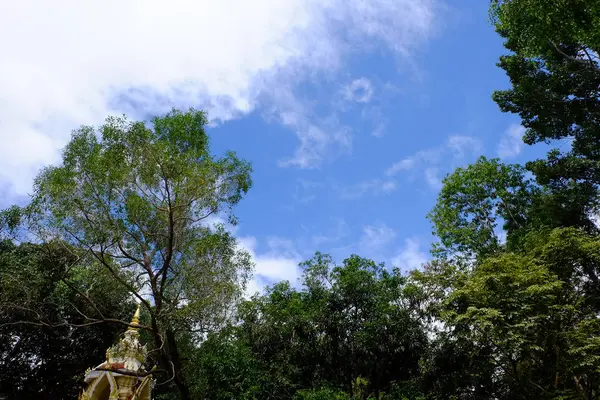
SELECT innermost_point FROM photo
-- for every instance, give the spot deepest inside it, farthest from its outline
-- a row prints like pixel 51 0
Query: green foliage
pixel 321 394
pixel 44 347
pixel 135 199
pixel 138 196
pixel 524 321
pixel 554 70
pixel 223 368
pixel 474 200
pixel 10 221
pixel 349 332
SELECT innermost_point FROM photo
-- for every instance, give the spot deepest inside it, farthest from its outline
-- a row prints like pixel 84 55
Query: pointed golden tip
pixel 136 318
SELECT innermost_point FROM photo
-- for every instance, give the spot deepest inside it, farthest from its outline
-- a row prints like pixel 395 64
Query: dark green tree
pixel 554 70
pixel 46 343
pixel 516 315
pixel 351 331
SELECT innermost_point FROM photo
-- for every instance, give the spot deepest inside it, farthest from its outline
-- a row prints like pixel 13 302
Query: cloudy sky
pixel 351 111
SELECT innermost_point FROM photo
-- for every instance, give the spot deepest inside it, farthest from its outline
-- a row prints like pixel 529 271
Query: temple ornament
pixel 122 376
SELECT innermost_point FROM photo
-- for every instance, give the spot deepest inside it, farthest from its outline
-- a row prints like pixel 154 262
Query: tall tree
pixel 136 198
pixel 529 315
pixel 519 318
pixel 554 69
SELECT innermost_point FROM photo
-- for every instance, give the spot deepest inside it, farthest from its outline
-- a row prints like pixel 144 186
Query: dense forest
pixel 507 308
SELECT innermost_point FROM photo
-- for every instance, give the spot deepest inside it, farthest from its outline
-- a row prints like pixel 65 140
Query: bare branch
pixel 590 64
pixel 137 374
pixel 69 324
pixel 111 270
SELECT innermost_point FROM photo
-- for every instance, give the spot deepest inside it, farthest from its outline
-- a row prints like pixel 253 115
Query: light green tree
pixel 137 199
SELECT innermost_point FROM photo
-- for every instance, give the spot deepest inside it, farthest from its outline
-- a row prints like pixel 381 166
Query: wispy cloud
pixel 375 111
pixel 375 115
pixel 462 145
pixel 306 190
pixel 317 138
pixel 375 239
pixel 402 165
pixel 511 144
pixel 410 256
pixel 275 259
pixel 379 130
pixel 432 162
pixel 432 178
pixel 431 156
pixel 371 187
pixel 359 90
pixel 62 66
pixel 332 237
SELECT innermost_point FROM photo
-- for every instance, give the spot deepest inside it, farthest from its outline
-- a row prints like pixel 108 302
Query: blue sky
pixel 351 112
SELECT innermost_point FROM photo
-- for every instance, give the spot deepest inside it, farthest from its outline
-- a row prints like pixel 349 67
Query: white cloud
pixel 379 130
pixel 373 187
pixel 432 178
pixel 463 145
pixel 454 149
pixel 511 144
pixel 431 156
pixel 67 62
pixel 595 218
pixel 411 256
pixel 374 114
pixel 501 235
pixel 375 238
pixel 215 219
pixel 402 165
pixel 431 162
pixel 341 231
pixel 359 90
pixel 279 262
pixel 316 136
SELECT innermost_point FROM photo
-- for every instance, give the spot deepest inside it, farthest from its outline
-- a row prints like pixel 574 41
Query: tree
pixel 554 69
pixel 136 199
pixel 517 324
pixel 527 309
pixel 224 368
pixel 45 345
pixel 487 199
pixel 475 200
pixel 518 319
pixel 349 333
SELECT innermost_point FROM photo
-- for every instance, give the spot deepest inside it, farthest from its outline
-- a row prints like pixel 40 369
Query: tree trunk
pixel 184 391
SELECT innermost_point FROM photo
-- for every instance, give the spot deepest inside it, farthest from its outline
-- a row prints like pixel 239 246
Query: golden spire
pixel 135 321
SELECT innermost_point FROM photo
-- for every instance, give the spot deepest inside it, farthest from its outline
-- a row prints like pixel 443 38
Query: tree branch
pixel 590 64
pixel 69 324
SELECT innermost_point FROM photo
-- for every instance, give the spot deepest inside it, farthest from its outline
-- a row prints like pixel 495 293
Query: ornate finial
pixel 135 320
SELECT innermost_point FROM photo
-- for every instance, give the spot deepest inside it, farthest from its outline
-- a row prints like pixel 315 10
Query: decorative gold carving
pixel 136 319
pixel 126 355
pixel 114 394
